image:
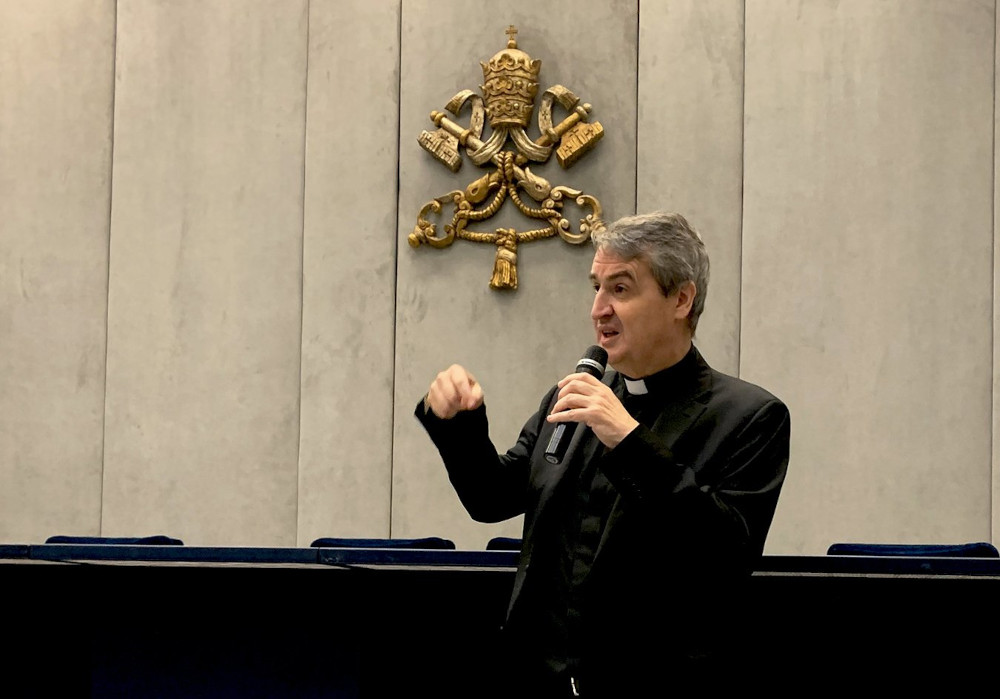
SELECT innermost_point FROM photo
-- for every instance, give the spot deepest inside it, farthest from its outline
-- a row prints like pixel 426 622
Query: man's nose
pixel 601 307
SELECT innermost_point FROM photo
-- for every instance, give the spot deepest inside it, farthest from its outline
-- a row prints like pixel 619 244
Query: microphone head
pixel 593 361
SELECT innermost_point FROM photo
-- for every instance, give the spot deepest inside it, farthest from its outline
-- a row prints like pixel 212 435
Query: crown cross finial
pixel 512 33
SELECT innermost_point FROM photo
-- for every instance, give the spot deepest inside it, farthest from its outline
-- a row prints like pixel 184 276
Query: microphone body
pixel 593 362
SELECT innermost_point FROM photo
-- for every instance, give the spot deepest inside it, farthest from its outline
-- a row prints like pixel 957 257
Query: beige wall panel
pixel 517 343
pixel 349 269
pixel 867 263
pixel 56 79
pixel 690 135
pixel 205 283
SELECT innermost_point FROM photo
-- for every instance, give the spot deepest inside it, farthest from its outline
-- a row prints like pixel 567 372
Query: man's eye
pixel 597 287
pixel 619 288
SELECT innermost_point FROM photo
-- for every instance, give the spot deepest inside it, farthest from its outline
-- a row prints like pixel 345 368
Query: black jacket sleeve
pixel 491 486
pixel 719 484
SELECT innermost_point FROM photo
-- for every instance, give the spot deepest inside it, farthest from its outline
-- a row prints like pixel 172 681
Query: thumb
pixel 474 396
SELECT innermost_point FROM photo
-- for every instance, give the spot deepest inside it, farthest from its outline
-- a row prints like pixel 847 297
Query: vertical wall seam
pixel 994 490
pixel 638 68
pixel 743 180
pixel 107 280
pixel 302 271
pixel 395 253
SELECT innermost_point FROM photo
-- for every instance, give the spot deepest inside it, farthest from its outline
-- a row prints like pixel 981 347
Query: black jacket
pixel 695 489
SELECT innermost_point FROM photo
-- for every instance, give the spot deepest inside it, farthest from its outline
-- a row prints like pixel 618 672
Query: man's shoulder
pixel 734 403
pixel 729 388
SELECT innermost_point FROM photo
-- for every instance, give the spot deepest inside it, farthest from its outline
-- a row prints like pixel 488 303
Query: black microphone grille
pixel 594 361
pixel 597 353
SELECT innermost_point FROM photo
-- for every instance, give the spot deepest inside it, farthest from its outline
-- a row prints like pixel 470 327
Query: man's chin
pixel 615 360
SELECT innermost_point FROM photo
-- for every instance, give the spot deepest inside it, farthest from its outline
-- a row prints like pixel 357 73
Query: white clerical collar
pixel 636 387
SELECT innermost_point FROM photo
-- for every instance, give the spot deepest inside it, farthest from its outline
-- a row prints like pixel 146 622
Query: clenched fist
pixel 453 391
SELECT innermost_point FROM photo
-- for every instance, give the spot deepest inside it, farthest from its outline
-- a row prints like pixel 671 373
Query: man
pixel 636 549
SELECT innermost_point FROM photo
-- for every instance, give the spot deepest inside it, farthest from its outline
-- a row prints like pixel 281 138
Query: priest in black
pixel 637 547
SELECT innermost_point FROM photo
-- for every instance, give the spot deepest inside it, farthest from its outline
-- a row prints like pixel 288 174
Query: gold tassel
pixel 505 267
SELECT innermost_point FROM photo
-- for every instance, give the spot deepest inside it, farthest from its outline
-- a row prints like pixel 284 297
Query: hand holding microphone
pixel 582 397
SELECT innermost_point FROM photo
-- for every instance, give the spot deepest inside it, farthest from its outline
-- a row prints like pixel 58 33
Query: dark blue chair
pixel 428 542
pixel 503 543
pixel 157 540
pixel 977 549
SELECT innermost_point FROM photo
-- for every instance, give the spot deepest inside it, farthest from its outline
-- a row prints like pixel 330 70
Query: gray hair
pixel 673 249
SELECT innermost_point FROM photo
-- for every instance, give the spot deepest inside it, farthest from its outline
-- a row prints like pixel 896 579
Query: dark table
pixel 182 621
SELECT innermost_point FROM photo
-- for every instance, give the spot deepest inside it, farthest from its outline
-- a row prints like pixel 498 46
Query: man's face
pixel 642 330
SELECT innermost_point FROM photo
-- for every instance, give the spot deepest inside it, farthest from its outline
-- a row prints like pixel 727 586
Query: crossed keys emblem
pixel 510 85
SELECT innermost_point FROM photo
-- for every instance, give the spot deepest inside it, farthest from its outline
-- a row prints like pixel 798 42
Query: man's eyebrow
pixel 627 273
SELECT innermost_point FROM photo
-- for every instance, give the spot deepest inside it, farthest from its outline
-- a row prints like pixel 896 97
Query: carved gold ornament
pixel 510 85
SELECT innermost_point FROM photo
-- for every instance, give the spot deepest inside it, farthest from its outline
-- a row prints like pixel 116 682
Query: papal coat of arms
pixel 510 85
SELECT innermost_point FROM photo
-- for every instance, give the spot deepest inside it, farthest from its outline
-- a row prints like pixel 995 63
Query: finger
pixel 474 395
pixel 572 401
pixel 450 383
pixel 440 403
pixel 579 376
pixel 444 395
pixel 568 415
pixel 468 392
pixel 581 387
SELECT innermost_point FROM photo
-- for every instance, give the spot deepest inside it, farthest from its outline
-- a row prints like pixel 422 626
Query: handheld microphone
pixel 593 362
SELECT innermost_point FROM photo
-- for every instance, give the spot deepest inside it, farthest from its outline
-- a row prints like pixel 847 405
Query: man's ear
pixel 685 299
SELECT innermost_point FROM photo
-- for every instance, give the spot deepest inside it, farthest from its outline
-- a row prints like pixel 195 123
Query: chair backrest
pixel 157 540
pixel 428 542
pixel 976 549
pixel 503 543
